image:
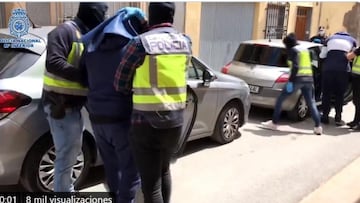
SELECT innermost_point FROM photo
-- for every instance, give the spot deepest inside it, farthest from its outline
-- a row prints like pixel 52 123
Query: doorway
pixel 303 21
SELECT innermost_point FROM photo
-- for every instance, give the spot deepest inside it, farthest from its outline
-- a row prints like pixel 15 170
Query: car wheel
pixel 38 168
pixel 228 124
pixel 300 111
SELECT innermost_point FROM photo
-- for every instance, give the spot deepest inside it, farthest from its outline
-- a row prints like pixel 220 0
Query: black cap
pixel 161 12
pixel 290 40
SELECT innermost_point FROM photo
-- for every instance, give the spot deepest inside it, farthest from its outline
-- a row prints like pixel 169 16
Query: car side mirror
pixel 208 77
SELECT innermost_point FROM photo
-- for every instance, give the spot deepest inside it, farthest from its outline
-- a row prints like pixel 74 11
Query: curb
pixel 344 187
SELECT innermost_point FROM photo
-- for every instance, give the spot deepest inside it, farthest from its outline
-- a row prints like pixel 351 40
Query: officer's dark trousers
pixel 122 177
pixel 153 149
pixel 356 97
pixel 334 83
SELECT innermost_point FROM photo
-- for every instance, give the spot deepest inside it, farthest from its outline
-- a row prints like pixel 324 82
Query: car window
pixel 261 54
pixel 195 70
pixel 15 61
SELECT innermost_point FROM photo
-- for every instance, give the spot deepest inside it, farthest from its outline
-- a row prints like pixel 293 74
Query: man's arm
pixel 133 57
pixel 59 45
pixel 350 56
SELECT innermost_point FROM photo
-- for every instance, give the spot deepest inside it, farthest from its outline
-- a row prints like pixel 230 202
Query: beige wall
pixel 10 6
pixel 332 15
pixel 192 24
pixel 259 20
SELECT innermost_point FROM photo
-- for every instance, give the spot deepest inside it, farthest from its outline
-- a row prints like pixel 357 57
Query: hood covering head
pixel 290 41
pixel 116 25
pixel 161 12
pixel 92 13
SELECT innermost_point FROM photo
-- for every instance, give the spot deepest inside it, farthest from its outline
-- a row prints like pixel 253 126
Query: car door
pixel 207 94
pixel 189 120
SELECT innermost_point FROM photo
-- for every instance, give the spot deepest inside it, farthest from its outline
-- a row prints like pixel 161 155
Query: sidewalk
pixel 344 187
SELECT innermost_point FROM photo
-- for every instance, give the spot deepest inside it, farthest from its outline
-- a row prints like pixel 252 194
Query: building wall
pixel 192 24
pixel 9 7
pixel 259 20
pixel 334 21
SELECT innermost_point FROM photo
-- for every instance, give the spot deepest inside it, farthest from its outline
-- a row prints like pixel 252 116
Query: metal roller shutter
pixel 223 27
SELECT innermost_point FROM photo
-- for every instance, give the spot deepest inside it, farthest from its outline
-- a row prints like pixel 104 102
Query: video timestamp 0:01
pixel 9 198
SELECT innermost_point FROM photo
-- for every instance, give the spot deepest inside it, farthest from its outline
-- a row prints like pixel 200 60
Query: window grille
pixel 277 16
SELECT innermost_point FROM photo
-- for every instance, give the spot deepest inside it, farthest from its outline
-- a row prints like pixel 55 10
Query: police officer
pixel 63 95
pixel 355 123
pixel 110 111
pixel 320 37
pixel 301 77
pixel 154 65
pixel 335 74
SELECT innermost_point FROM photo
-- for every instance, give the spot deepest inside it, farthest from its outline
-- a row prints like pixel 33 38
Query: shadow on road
pixel 258 115
pixel 268 133
pixel 198 145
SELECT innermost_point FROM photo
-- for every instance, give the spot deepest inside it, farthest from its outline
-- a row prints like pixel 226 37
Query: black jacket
pixel 58 48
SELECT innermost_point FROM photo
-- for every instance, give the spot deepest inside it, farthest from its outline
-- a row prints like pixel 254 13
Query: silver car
pixel 263 65
pixel 26 149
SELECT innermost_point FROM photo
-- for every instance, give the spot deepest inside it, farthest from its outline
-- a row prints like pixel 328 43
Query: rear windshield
pixel 15 61
pixel 261 54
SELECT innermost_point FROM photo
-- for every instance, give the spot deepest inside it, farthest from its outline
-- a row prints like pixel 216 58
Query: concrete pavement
pixel 344 187
pixel 265 166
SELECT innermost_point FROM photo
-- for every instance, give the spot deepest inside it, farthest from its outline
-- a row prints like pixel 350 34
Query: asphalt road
pixel 262 165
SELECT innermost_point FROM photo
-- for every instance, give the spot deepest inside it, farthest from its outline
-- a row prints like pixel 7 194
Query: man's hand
pixel 134 12
pixel 350 56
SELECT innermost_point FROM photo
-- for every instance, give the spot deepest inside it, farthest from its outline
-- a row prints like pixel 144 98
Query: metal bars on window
pixel 277 16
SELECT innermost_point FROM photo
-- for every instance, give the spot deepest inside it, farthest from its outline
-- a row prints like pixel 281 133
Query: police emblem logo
pixel 18 23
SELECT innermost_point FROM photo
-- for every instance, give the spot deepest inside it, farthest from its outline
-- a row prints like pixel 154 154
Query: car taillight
pixel 10 101
pixel 225 69
pixel 284 78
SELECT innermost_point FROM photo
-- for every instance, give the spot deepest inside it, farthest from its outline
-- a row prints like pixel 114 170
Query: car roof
pixel 33 33
pixel 279 43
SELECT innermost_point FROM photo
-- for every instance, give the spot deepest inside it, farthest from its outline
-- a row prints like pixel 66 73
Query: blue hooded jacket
pixel 104 49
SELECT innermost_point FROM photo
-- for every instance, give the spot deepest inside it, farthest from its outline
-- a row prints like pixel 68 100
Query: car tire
pixel 42 152
pixel 300 111
pixel 228 124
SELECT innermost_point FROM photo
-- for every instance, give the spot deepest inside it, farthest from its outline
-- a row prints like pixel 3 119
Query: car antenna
pixel 32 22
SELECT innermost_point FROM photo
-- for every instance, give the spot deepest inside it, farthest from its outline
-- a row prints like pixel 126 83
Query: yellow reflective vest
pixel 54 83
pixel 356 66
pixel 159 83
pixel 304 60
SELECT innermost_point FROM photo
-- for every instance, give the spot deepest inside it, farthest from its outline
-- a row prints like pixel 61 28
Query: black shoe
pixel 351 124
pixel 324 120
pixel 339 122
pixel 356 127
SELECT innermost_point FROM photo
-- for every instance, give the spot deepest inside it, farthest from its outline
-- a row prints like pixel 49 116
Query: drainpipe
pixel 320 12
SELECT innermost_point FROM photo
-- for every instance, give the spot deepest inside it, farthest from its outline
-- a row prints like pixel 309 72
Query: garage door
pixel 223 27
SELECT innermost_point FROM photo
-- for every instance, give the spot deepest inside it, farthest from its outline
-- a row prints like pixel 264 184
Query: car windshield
pixel 261 55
